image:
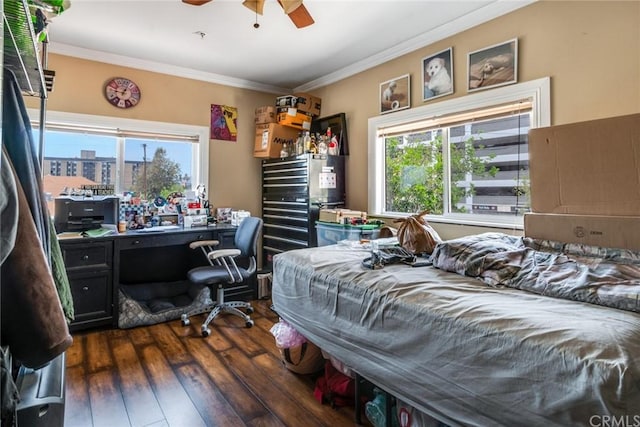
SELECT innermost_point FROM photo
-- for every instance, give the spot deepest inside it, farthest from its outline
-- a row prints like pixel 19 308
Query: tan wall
pixel 234 175
pixel 590 49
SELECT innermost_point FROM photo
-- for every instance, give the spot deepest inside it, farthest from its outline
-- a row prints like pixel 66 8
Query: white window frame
pixel 537 91
pixel 199 157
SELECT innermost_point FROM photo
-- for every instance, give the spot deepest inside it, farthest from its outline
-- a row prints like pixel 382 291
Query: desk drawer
pixel 162 239
pixel 92 255
pixel 92 296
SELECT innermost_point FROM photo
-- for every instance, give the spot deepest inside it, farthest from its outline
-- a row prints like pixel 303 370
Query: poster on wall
pixel 223 123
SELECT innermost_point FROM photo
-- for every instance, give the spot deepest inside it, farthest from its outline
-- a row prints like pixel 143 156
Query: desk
pixel 97 266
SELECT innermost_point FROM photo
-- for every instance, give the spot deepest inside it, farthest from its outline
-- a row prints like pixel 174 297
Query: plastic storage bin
pixel 330 233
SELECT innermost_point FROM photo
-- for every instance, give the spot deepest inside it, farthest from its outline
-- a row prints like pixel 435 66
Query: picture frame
pixel 395 94
pixel 224 121
pixel 493 66
pixel 437 75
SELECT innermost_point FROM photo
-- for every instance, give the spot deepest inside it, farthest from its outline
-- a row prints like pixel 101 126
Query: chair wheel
pixel 186 322
pixel 248 324
pixel 249 310
pixel 206 332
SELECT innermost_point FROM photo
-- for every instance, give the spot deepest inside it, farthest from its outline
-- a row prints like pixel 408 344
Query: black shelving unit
pixel 294 189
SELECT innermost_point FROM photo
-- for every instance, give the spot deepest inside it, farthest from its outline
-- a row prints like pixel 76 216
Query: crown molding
pixel 477 17
pixel 158 67
pixel 470 20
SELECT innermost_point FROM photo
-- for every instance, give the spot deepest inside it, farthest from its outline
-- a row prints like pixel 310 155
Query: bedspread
pixel 608 277
pixel 462 351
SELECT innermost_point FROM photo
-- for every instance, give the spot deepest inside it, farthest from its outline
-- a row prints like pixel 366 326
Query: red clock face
pixel 122 93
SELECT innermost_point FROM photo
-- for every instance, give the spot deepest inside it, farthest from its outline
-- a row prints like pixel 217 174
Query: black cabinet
pixel 294 189
pixel 89 264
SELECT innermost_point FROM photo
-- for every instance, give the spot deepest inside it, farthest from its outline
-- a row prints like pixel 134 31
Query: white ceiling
pixel 348 36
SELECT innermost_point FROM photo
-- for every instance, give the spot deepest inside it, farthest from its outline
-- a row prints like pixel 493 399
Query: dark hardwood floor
pixel 169 375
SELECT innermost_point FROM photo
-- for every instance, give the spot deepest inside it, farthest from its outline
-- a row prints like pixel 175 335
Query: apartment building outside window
pixel 147 159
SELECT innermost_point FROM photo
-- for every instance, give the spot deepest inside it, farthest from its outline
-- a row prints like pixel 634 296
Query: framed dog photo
pixel 493 66
pixel 437 75
pixel 395 94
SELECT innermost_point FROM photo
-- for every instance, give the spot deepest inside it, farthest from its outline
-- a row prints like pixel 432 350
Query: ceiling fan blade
pixel 290 5
pixel 196 2
pixel 297 12
pixel 255 5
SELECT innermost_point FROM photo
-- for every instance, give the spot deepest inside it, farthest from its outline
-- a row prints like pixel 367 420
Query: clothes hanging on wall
pixel 33 322
pixel 8 209
pixel 17 138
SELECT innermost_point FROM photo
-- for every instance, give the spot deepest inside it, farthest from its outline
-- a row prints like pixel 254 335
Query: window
pixel 149 159
pixel 464 160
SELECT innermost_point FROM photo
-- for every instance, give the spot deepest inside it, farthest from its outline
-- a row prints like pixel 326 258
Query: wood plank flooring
pixel 169 375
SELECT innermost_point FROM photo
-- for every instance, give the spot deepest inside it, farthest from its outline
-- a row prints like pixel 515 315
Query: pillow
pixel 469 255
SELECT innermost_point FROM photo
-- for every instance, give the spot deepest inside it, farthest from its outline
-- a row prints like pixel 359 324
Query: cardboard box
pixel 286 101
pixel 339 215
pixel 308 103
pixel 266 114
pixel 621 232
pixel 590 168
pixel 294 118
pixel 270 137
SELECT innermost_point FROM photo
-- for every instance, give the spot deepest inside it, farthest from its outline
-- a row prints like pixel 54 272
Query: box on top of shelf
pixel 339 216
pixel 270 137
pixel 308 103
pixel 265 114
pixel 286 101
pixel 331 233
pixel 294 118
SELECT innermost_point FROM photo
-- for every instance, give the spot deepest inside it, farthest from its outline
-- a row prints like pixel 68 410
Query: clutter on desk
pixel 160 211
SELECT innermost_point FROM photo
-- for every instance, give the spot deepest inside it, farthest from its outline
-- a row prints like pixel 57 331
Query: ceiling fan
pixel 296 11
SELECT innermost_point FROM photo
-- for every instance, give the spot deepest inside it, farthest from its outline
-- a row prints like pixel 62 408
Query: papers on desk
pixel 98 232
pixel 105 230
pixel 158 228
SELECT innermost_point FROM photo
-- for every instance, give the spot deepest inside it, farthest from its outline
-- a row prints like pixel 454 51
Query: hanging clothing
pixel 32 321
pixel 8 208
pixel 33 324
pixel 17 138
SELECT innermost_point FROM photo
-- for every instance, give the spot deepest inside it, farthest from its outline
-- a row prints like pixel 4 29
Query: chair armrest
pixel 201 243
pixel 223 253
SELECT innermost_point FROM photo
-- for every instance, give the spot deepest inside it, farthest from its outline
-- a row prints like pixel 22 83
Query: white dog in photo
pixel 439 79
pixel 388 92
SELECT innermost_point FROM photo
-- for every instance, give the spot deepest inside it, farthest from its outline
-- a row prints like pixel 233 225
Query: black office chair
pixel 223 272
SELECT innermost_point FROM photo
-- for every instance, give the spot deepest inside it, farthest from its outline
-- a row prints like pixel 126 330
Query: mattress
pixel 459 350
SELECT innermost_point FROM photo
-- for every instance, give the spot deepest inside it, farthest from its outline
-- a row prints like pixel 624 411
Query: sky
pixel 58 144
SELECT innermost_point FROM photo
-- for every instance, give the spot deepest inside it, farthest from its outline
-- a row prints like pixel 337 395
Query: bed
pixel 474 346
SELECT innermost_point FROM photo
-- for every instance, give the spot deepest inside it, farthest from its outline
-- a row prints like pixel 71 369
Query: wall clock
pixel 122 92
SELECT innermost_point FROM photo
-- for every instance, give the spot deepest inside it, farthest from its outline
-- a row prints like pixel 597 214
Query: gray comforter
pixel 459 350
pixel 609 277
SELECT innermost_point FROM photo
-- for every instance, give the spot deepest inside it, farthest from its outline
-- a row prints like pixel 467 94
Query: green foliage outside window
pixel 415 172
pixel 163 176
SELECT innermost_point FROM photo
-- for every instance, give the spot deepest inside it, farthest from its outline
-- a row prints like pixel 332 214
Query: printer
pixel 79 213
